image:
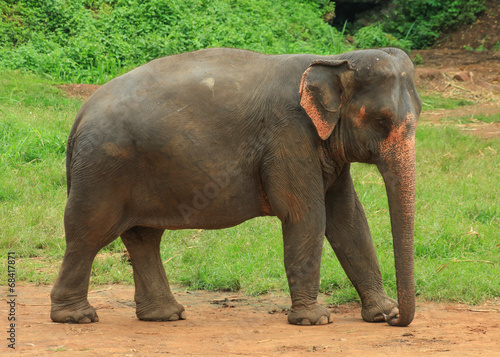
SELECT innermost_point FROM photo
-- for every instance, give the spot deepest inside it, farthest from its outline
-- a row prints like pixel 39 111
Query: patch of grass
pixel 34 123
pixel 42 270
pixel 432 102
pixel 459 214
pixel 457 254
pixel 248 256
pixel 111 268
pixel 485 118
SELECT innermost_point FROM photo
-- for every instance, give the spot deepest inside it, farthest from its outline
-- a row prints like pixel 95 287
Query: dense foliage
pixel 94 40
pixel 82 40
pixel 422 21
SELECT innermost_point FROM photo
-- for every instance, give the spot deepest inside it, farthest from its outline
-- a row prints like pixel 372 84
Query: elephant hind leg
pixel 154 300
pixel 87 231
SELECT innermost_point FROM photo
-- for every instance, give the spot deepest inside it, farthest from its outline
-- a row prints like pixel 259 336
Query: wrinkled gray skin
pixel 212 138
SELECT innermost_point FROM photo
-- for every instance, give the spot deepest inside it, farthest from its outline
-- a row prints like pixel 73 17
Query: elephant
pixel 212 138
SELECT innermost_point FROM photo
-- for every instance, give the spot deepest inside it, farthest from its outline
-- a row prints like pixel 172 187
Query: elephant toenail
pixel 173 317
pixel 85 320
pixel 323 320
pixel 183 315
pixel 305 322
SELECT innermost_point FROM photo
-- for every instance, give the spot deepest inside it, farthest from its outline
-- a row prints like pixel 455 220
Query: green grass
pixel 432 102
pixel 457 250
pixel 485 118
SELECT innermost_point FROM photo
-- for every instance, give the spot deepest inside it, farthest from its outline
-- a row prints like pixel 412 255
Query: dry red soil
pixel 227 324
pixel 442 72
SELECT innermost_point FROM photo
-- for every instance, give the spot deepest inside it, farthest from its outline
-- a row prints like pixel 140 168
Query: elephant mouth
pixel 342 148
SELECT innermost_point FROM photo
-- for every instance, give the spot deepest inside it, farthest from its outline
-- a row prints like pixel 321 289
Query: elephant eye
pixel 382 122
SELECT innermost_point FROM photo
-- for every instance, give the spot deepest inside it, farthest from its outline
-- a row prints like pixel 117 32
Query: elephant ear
pixel 320 93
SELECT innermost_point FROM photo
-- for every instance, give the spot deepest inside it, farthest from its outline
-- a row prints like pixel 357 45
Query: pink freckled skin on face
pixel 399 145
pixel 360 118
pixel 397 151
pixel 410 118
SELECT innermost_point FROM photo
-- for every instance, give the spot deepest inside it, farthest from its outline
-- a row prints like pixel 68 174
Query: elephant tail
pixel 69 154
pixel 69 149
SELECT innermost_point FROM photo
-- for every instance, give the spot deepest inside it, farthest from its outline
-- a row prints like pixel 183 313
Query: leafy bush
pixel 374 36
pixel 422 21
pixel 94 40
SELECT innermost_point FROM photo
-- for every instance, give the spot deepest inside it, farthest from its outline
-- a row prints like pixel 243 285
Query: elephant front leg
pixel 303 244
pixel 349 235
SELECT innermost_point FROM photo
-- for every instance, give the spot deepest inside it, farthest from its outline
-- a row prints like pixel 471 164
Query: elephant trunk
pixel 397 166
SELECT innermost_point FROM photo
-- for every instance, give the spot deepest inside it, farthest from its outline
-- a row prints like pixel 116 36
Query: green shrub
pixel 92 41
pixel 422 21
pixel 374 36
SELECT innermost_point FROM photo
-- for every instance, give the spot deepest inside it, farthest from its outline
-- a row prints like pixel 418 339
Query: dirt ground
pixel 228 324
pixel 474 75
pixel 443 71
pixel 484 33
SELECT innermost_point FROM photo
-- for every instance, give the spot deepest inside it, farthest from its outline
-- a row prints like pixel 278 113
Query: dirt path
pixel 246 326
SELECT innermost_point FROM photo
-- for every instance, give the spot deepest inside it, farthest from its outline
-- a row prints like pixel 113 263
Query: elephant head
pixel 365 108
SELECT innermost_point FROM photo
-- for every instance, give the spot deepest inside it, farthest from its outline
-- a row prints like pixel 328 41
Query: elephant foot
pixel 379 309
pixel 160 312
pixel 73 314
pixel 312 315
